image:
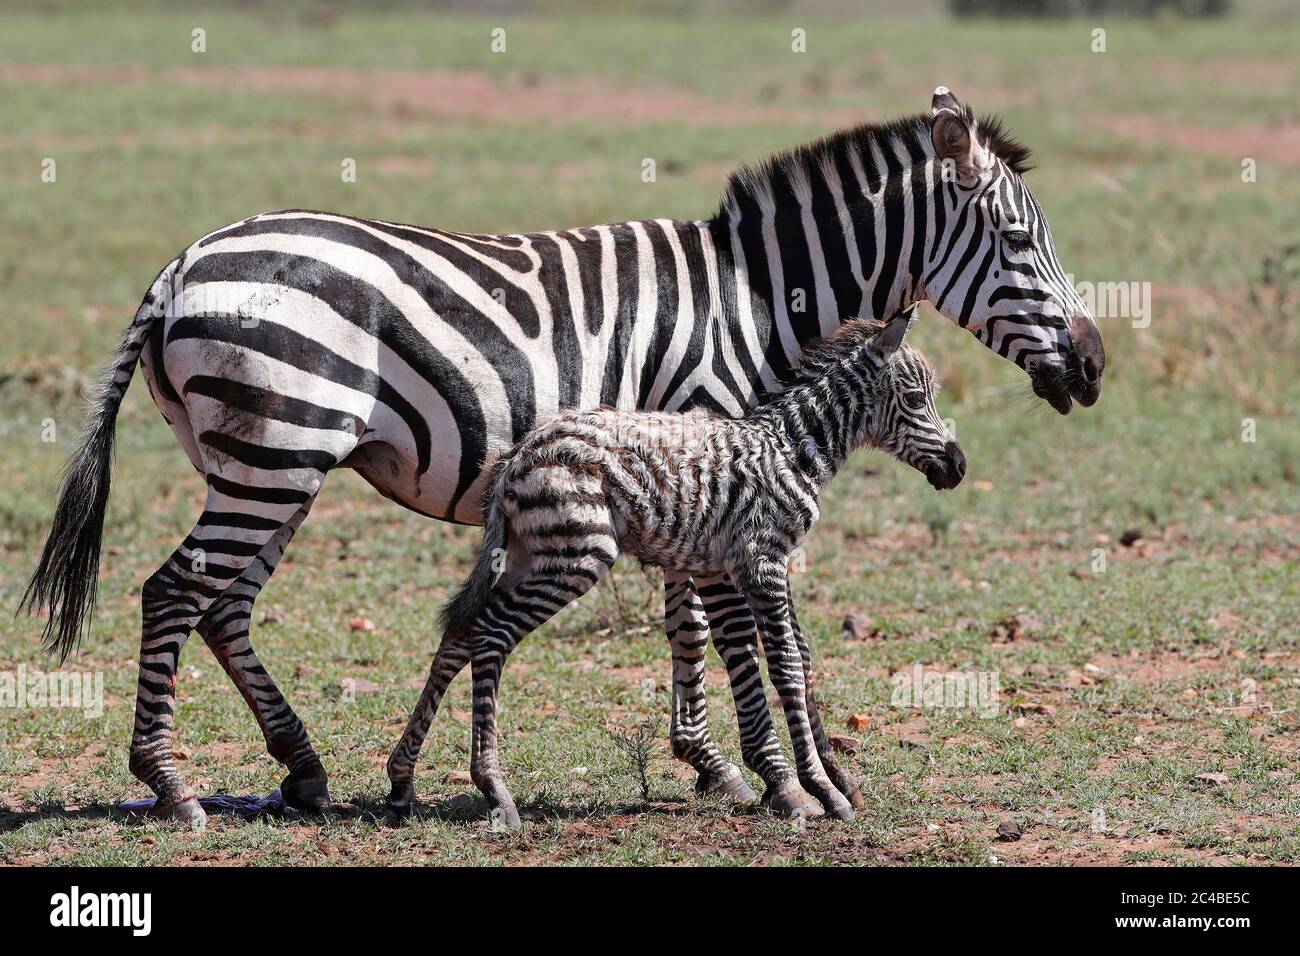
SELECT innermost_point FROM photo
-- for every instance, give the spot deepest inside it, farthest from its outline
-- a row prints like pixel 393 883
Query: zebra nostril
pixel 956 460
pixel 1089 357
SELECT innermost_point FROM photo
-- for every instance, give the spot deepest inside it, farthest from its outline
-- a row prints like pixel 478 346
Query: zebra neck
pixel 832 409
pixel 827 233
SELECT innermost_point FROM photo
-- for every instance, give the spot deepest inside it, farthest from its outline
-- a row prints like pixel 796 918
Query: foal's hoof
pixel 792 802
pixel 837 806
pixel 306 789
pixel 727 786
pixel 187 813
pixel 400 799
pixel 504 817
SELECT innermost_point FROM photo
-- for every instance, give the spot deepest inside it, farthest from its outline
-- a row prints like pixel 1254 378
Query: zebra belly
pixel 663 547
pixel 394 473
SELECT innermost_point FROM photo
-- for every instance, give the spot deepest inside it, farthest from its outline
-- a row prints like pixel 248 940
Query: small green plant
pixel 637 745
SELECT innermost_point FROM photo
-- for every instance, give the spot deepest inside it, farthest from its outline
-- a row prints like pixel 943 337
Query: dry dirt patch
pixel 1279 144
pixel 445 93
pixel 1263 75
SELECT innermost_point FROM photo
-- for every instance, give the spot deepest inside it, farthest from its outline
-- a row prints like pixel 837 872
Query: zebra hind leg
pixel 452 655
pixel 173 601
pixel 225 629
pixel 509 616
pixel 449 660
pixel 688 629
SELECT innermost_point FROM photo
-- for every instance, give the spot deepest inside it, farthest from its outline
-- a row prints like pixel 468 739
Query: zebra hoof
pixel 400 799
pixel 840 809
pixel 857 799
pixel 792 802
pixel 504 817
pixel 187 813
pixel 835 804
pixel 727 786
pixel 307 790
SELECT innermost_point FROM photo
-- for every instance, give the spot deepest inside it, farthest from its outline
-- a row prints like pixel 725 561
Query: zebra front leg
pixel 844 783
pixel 449 660
pixel 173 601
pixel 731 625
pixel 766 588
pixel 687 628
pixel 225 629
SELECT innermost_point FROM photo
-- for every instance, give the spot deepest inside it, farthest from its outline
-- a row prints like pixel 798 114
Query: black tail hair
pixel 459 614
pixel 66 579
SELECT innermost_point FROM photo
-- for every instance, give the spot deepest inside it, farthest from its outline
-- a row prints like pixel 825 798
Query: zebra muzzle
pixel 948 471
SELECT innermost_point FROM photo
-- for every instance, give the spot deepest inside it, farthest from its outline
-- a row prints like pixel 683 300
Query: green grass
pixel 1177 623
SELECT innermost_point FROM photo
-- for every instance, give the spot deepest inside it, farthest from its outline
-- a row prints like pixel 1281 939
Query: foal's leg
pixel 766 587
pixel 509 616
pixel 449 660
pixel 173 601
pixel 731 625
pixel 735 637
pixel 452 655
pixel 225 629
pixel 688 630
pixel 843 781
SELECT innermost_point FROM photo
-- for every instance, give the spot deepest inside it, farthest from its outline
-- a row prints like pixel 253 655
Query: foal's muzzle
pixel 948 471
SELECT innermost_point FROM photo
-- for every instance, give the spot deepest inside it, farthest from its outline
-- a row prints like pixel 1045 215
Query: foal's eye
pixel 1018 240
pixel 914 400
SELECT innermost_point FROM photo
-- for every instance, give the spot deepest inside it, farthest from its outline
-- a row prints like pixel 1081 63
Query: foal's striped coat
pixel 690 493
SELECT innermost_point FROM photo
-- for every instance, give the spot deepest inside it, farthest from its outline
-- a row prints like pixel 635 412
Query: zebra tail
pixel 66 579
pixel 459 614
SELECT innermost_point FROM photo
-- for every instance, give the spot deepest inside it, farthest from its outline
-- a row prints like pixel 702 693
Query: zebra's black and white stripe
pixel 294 342
pixel 694 493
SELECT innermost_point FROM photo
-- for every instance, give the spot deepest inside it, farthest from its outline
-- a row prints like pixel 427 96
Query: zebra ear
pixel 955 144
pixel 888 339
pixel 944 100
pixel 806 454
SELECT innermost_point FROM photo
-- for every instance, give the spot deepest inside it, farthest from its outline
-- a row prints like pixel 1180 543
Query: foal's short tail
pixel 66 578
pixel 460 613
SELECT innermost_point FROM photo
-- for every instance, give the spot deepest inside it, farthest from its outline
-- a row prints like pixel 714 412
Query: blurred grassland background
pixel 1139 153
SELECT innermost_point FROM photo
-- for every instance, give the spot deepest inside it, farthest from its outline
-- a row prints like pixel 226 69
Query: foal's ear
pixel 806 454
pixel 888 339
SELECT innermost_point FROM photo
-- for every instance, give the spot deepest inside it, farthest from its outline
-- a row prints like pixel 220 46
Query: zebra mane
pixel 912 133
pixel 1003 145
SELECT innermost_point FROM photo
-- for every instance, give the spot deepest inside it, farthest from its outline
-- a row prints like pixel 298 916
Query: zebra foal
pixel 691 493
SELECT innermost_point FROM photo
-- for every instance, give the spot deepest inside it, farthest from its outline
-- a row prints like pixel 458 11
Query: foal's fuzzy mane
pixel 854 334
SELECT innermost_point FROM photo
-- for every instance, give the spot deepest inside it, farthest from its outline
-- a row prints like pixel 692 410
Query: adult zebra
pixel 288 344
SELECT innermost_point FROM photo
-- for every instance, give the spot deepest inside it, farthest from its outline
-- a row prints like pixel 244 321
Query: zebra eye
pixel 914 400
pixel 1018 240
